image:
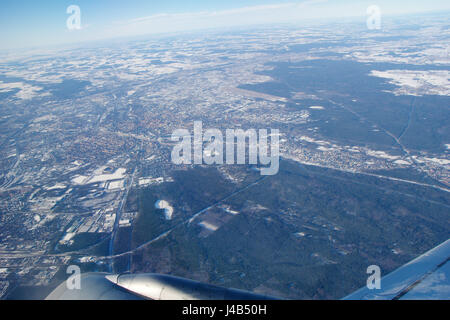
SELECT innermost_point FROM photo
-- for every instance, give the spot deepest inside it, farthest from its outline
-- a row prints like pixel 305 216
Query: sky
pixel 40 23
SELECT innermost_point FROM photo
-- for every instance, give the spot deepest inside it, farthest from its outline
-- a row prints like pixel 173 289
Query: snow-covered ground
pixel 412 82
pixel 119 174
pixel 168 210
pixel 208 226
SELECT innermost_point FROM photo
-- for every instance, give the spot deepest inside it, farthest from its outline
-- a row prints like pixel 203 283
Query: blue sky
pixel 31 23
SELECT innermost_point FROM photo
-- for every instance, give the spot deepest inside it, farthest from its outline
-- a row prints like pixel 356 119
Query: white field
pixel 381 154
pixel 68 236
pixel 402 162
pixel 417 82
pixel 117 175
pixel 26 91
pixel 149 180
pixel 317 107
pixel 438 161
pixel 79 179
pixel 117 184
pixel 56 186
pixel 208 225
pixel 168 210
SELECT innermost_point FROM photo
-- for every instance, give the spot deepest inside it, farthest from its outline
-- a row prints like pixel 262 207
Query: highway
pixel 129 184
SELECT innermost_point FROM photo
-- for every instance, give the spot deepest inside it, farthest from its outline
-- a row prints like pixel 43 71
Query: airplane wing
pixel 104 286
pixel 94 286
pixel 426 277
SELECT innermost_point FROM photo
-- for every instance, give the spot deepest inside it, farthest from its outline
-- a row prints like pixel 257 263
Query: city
pixel 86 131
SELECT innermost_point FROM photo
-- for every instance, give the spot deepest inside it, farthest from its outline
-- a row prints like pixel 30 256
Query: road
pixel 129 184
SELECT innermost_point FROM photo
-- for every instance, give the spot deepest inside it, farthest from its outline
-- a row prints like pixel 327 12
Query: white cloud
pixel 260 14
